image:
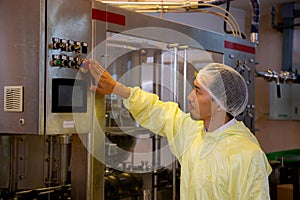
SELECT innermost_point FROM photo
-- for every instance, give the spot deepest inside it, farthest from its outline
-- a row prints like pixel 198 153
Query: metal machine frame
pixel 237 53
pixel 37 137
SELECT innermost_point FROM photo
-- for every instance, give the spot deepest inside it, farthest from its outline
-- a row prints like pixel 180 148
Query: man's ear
pixel 219 109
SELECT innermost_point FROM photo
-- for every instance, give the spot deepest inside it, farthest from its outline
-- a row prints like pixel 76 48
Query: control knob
pixel 55 43
pixel 56 60
pixel 64 61
pixel 63 44
pixel 71 45
pixel 77 47
pixel 72 62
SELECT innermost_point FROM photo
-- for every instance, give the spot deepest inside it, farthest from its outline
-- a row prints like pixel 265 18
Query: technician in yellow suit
pixel 220 158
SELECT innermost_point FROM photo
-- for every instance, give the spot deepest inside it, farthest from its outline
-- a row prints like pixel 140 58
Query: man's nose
pixel 191 96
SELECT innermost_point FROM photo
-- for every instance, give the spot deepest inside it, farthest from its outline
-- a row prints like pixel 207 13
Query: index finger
pixel 95 69
pixel 96 66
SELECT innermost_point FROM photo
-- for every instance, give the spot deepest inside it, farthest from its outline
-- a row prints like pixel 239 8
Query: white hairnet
pixel 226 86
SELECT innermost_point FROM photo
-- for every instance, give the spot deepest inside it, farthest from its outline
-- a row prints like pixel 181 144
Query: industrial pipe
pixel 282 77
pixel 255 16
pixel 255 20
pixel 189 6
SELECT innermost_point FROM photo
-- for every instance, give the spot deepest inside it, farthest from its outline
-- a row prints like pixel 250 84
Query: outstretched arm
pixel 164 118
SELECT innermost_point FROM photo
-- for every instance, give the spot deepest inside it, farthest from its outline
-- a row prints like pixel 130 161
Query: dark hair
pixel 229 115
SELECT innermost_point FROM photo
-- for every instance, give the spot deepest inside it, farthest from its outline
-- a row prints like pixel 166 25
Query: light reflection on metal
pixel 281 77
pixel 185 6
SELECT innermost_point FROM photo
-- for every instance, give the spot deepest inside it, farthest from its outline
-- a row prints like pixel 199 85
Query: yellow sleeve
pixel 249 177
pixel 163 118
pixel 258 177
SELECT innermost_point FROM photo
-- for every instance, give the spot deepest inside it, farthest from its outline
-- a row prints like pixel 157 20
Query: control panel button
pixel 63 44
pixel 77 47
pixel 55 43
pixel 64 61
pixel 71 45
pixel 84 47
pixel 56 61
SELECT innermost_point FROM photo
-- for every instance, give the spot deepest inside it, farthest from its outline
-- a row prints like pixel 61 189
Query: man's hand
pixel 106 83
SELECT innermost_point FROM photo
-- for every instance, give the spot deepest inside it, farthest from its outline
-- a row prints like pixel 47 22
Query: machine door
pixel 158 67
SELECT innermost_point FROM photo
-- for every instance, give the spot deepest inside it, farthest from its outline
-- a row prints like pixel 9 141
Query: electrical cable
pixel 225 24
pixel 234 32
pixel 230 17
pixel 236 25
pixel 229 21
pixel 166 7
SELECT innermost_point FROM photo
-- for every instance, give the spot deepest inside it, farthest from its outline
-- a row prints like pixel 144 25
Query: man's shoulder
pixel 241 145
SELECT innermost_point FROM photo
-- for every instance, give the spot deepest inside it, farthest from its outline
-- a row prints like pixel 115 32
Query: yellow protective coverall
pixel 225 165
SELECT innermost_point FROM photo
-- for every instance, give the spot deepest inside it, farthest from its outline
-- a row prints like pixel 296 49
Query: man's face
pixel 199 102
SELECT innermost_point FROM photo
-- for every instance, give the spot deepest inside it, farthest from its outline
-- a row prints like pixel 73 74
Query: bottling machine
pixel 59 140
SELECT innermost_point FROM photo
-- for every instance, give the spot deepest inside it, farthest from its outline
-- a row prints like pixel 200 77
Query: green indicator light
pixel 58 62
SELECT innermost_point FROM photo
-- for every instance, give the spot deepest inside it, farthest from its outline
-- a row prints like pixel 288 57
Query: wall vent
pixel 13 98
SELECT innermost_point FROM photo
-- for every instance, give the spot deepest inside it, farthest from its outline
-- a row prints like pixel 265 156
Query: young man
pixel 220 158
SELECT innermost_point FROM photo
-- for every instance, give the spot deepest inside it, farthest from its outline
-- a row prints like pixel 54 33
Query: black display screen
pixel 69 95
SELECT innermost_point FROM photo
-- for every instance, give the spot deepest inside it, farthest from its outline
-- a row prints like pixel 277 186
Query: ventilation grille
pixel 13 98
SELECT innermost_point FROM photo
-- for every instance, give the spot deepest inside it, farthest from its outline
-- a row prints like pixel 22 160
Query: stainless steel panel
pixel 70 21
pixel 22 159
pixel 287 107
pixel 5 167
pixel 137 24
pixel 143 34
pixel 30 154
pixel 25 62
pixel 36 161
pixel 21 61
pixel 244 62
pixel 208 40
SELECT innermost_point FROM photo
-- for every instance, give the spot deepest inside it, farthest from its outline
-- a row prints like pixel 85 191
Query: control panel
pixel 69 53
pixel 67 84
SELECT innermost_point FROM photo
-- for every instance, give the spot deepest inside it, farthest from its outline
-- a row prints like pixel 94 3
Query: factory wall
pixel 274 135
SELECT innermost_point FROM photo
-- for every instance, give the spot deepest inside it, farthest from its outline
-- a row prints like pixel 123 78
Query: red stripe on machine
pixel 110 17
pixel 239 47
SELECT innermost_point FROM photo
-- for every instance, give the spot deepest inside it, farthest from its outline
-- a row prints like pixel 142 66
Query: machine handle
pixel 185 51
pixel 278 90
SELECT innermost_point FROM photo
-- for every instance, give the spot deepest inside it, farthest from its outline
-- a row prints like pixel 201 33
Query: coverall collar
pixel 210 139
